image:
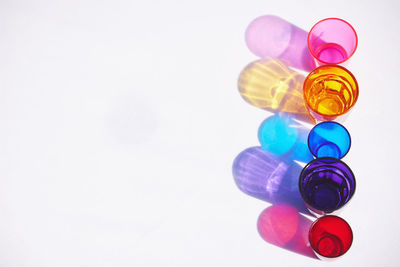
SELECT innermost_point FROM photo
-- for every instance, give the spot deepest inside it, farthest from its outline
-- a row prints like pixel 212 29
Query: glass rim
pixel 337 217
pixel 309 37
pixel 305 199
pixel 348 133
pixel 334 66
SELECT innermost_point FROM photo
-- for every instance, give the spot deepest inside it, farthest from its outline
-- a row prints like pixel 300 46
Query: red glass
pixel 330 236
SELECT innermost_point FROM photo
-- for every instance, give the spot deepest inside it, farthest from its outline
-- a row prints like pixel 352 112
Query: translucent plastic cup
pixel 329 139
pixel 330 91
pixel 330 237
pixel 326 185
pixel 332 41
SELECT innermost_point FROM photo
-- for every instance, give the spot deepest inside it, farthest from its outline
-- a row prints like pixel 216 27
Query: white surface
pixel 120 120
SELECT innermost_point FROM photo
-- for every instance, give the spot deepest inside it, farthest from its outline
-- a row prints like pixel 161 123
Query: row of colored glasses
pixel 326 183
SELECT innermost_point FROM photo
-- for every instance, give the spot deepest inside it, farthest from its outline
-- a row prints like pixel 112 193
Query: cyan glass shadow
pixel 281 135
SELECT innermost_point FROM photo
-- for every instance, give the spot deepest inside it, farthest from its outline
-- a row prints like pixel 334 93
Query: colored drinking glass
pixel 330 237
pixel 329 139
pixel 332 41
pixel 326 185
pixel 330 91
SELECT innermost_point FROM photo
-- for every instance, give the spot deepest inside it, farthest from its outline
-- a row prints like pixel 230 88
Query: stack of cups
pixel 326 183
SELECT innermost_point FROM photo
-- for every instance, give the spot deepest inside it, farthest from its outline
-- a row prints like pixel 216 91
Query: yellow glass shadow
pixel 271 85
pixel 330 91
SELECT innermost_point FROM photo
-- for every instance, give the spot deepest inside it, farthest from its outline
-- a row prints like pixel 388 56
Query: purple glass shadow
pixel 326 184
pixel 267 177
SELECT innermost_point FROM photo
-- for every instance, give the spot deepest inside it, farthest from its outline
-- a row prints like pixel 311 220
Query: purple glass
pixel 267 177
pixel 326 184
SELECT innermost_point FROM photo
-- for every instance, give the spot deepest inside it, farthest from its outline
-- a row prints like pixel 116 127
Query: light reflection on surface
pixel 283 226
pixel 269 84
pixel 267 177
pixel 274 37
pixel 281 135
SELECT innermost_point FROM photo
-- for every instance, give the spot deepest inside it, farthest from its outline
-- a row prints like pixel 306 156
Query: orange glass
pixel 330 91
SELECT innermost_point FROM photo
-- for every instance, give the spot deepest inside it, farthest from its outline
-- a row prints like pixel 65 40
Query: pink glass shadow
pixel 272 37
pixel 332 41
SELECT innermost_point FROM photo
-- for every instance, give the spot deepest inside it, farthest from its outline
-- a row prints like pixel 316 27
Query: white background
pixel 119 122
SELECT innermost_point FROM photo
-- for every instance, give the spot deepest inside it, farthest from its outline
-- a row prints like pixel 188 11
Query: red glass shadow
pixel 283 226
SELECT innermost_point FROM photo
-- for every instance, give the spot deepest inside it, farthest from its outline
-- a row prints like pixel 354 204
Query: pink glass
pixel 332 41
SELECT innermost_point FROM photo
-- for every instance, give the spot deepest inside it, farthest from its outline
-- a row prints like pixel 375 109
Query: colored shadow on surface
pixel 282 225
pixel 272 37
pixel 280 134
pixel 270 85
pixel 265 176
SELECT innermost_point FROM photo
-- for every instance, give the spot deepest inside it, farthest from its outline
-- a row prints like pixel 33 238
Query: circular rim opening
pixel 316 221
pixel 312 53
pixel 308 138
pixel 320 159
pixel 334 66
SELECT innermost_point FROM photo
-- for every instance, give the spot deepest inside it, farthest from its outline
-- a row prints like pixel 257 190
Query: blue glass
pixel 326 184
pixel 329 139
pixel 278 134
